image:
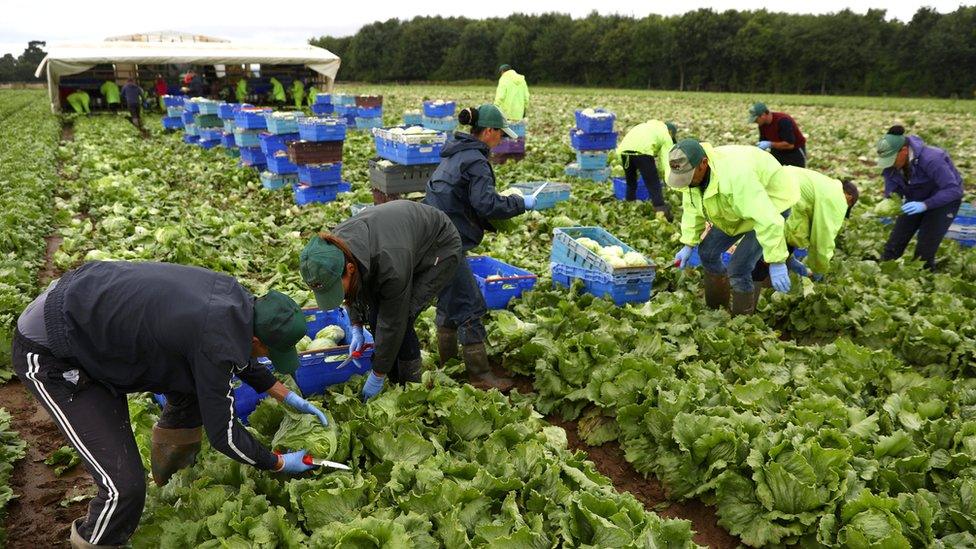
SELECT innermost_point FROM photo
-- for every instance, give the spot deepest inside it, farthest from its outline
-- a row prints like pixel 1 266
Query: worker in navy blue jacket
pixel 111 328
pixel 931 186
pixel 463 187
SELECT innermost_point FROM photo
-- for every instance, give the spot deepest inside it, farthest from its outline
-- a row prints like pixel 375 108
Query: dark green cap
pixel 322 265
pixel 756 110
pixel 888 149
pixel 504 67
pixel 279 324
pixel 489 116
pixel 684 157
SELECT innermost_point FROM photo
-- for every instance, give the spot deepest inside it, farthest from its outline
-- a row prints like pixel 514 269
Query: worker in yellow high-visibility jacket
pixel 110 91
pixel 645 149
pixel 277 91
pixel 312 92
pixel 80 101
pixel 241 90
pixel 512 94
pixel 297 92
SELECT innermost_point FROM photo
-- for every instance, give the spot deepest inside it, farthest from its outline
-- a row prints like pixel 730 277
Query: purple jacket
pixel 934 178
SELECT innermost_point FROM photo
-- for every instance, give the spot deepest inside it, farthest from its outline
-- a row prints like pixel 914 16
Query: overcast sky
pixel 246 20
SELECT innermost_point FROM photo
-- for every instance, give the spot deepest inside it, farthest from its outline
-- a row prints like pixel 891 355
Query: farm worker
pixel 931 186
pixel 780 135
pixel 79 101
pixel 197 85
pixel 298 92
pixel 109 328
pixel 312 92
pixel 463 187
pixel 386 264
pixel 814 222
pixel 645 149
pixel 734 187
pixel 277 90
pixel 512 94
pixel 133 97
pixel 161 90
pixel 241 90
pixel 110 91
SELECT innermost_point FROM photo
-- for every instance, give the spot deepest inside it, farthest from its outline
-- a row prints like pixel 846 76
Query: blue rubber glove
pixel 357 339
pixel 529 201
pixel 681 258
pixel 797 267
pixel 764 145
pixel 292 463
pixel 373 385
pixel 912 208
pixel 817 277
pixel 301 405
pixel 780 277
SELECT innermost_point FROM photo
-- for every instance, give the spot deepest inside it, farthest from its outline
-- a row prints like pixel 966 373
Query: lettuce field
pixel 841 414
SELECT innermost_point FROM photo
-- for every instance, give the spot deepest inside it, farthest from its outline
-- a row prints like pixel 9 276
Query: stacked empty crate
pixel 511 149
pixel 189 115
pixel 282 129
pixel 174 112
pixel 572 260
pixel 593 139
pixel 369 112
pixel 317 158
pixel 210 128
pixel 226 112
pixel 963 228
pixel 439 115
pixel 249 122
pixel 407 158
pixel 322 106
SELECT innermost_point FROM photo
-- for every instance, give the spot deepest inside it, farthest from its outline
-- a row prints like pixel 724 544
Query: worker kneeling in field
pixel 932 186
pixel 734 187
pixel 80 102
pixel 645 149
pixel 111 328
pixel 387 263
pixel 780 135
pixel 814 222
pixel 463 187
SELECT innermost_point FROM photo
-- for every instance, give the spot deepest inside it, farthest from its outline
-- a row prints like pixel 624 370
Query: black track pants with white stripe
pixel 96 424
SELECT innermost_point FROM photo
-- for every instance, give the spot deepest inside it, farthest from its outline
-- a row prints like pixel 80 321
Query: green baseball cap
pixel 322 265
pixel 504 67
pixel 888 148
pixel 684 157
pixel 490 117
pixel 279 324
pixel 756 110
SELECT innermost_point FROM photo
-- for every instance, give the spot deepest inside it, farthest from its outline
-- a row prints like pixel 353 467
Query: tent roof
pixel 165 36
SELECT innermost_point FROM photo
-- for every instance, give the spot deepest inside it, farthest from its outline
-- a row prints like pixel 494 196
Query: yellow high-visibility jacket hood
pixel 817 216
pixel 110 91
pixel 241 90
pixel 512 95
pixel 653 139
pixel 277 89
pixel 742 195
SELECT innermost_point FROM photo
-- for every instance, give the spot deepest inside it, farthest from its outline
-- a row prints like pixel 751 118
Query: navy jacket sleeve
pixel 258 376
pixel 945 178
pixel 484 199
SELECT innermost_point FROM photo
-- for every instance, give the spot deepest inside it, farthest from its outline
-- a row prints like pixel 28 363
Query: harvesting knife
pixel 354 357
pixel 309 460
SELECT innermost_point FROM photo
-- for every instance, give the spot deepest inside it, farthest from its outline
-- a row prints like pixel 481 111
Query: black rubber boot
pixel 716 290
pixel 447 344
pixel 410 370
pixel 744 303
pixel 479 372
pixel 78 542
pixel 172 450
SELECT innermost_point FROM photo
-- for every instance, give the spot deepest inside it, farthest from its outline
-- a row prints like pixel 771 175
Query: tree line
pixel 735 51
pixel 21 68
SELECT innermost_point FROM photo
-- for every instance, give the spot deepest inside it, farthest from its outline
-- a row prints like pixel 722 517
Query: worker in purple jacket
pixel 931 186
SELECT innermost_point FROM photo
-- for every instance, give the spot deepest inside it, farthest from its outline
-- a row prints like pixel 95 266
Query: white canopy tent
pixel 71 59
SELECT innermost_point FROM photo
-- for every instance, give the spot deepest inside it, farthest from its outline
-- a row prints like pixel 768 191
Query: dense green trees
pixel 933 54
pixel 21 69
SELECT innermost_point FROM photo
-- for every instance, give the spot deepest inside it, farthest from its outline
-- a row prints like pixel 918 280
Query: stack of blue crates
pixel 226 112
pixel 571 260
pixel 282 129
pixel 318 182
pixel 190 111
pixel 249 122
pixel 963 228
pixel 413 118
pixel 413 156
pixel 174 112
pixel 593 139
pixel 369 112
pixel 439 115
pixel 323 104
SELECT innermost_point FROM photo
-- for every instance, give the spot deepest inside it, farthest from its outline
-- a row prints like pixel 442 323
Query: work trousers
pixel 460 306
pixel 643 163
pixel 747 254
pixel 931 226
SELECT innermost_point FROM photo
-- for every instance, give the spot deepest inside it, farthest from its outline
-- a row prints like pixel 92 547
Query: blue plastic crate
pixel 320 369
pixel 512 281
pixel 229 126
pixel 279 164
pixel 211 134
pixel 966 215
pixel 574 170
pixel 346 110
pixel 256 167
pixel 322 129
pixel 226 111
pixel 549 197
pixel 408 154
pixel 568 251
pixel 208 107
pixel 592 141
pixel 190 139
pixel 172 122
pixel 518 126
pixel 413 119
pixel 252 156
pixel 175 111
pixel 322 109
pixel 622 288
pixel 369 112
pixel 601 123
pixel 188 117
pixel 306 194
pixel 251 119
pixel 620 189
pixel 445 124
pixel 344 100
pixel 246 399
pixel 369 123
pixel 592 160
pixel 208 143
pixel 283 125
pixel 439 110
pixel 323 99
pixel 272 143
pixel 227 140
pixel 273 181
pixel 247 138
pixel 192 106
pixel 317 175
pixel 191 129
pixel 173 100
pixel 232 152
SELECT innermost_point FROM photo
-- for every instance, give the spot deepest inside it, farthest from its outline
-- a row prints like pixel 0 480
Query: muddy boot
pixel 172 450
pixel 666 210
pixel 716 290
pixel 447 344
pixel 743 303
pixel 409 370
pixel 757 291
pixel 479 372
pixel 78 542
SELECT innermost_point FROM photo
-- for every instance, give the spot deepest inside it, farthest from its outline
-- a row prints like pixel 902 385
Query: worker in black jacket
pixel 387 264
pixel 111 328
